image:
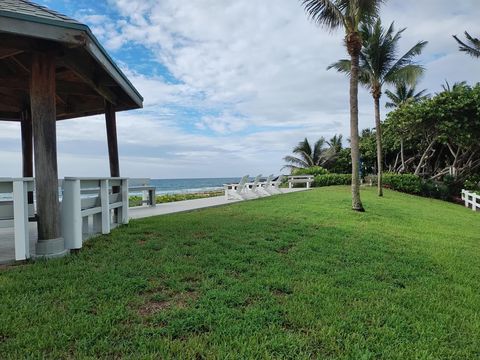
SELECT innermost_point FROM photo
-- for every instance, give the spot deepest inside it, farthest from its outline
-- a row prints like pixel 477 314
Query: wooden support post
pixel 111 122
pixel 27 144
pixel 42 99
pixel 27 148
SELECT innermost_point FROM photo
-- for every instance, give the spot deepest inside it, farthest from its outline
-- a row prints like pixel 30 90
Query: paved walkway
pixel 7 250
pixel 7 243
pixel 186 205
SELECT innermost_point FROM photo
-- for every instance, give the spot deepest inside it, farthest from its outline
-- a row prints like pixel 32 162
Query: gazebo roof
pixel 21 7
pixel 86 76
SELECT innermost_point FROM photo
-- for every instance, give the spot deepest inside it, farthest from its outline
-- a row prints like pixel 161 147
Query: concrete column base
pixel 50 249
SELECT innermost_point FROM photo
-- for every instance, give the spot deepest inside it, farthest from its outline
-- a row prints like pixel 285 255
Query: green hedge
pixel 314 170
pixel 332 179
pixel 408 183
pixel 412 184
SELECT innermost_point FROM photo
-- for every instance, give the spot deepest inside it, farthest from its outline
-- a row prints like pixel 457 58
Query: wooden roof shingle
pixel 28 8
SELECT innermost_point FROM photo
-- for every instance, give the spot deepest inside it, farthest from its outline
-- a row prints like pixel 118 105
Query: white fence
pixel 89 206
pixel 92 206
pixel 471 199
pixel 15 213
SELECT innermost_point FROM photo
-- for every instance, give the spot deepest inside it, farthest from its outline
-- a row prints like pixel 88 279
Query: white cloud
pixel 259 66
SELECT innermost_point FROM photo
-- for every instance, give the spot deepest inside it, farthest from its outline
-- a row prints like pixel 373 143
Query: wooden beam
pixel 42 98
pixel 20 64
pixel 84 69
pixel 60 100
pixel 62 87
pixel 27 148
pixel 6 53
pixel 24 28
pixel 10 108
pixel 27 144
pixel 24 60
pixel 27 44
pixel 12 98
pixel 9 116
pixel 111 123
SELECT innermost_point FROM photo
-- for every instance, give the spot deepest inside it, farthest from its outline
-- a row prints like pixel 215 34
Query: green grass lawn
pixel 292 276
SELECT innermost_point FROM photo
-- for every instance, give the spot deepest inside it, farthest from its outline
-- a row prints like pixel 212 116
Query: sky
pixel 230 87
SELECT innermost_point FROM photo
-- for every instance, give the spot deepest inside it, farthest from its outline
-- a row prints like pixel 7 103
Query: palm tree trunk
pixel 354 46
pixel 402 155
pixel 378 133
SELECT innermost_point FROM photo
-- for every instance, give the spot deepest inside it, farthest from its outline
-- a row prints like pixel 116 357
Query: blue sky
pixel 231 87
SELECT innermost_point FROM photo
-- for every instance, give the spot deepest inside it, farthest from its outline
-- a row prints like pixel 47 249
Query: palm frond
pixel 447 88
pixel 404 94
pixel 295 161
pixel 407 74
pixel 337 13
pixel 412 71
pixel 379 63
pixel 473 48
pixel 318 151
pixel 343 66
pixel 324 12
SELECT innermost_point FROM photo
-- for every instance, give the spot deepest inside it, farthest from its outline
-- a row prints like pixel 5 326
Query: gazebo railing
pixel 92 206
pixel 15 212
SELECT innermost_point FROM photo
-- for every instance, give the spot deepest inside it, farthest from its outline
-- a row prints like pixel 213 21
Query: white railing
pixel 92 206
pixel 15 213
pixel 471 199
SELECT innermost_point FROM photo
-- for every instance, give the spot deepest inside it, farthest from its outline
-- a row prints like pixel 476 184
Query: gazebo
pixel 53 68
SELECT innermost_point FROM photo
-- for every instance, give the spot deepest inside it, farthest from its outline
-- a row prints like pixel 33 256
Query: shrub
pixel 472 183
pixel 313 170
pixel 435 189
pixel 412 184
pixel 136 200
pixel 332 179
pixel 408 183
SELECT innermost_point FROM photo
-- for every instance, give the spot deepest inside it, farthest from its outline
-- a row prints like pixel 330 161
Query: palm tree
pixel 456 86
pixel 473 46
pixel 380 65
pixel 335 143
pixel 308 156
pixel 404 94
pixel 333 152
pixel 348 14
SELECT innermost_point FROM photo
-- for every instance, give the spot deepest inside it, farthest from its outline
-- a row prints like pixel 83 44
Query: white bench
pixel 149 196
pixel 90 206
pixel 300 179
pixel 470 198
pixel 15 213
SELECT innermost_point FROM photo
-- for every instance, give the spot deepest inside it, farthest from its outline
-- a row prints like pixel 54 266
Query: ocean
pixel 175 186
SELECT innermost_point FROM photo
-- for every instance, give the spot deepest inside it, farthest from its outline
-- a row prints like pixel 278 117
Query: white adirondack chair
pixel 264 185
pixel 274 187
pixel 251 189
pixel 236 191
